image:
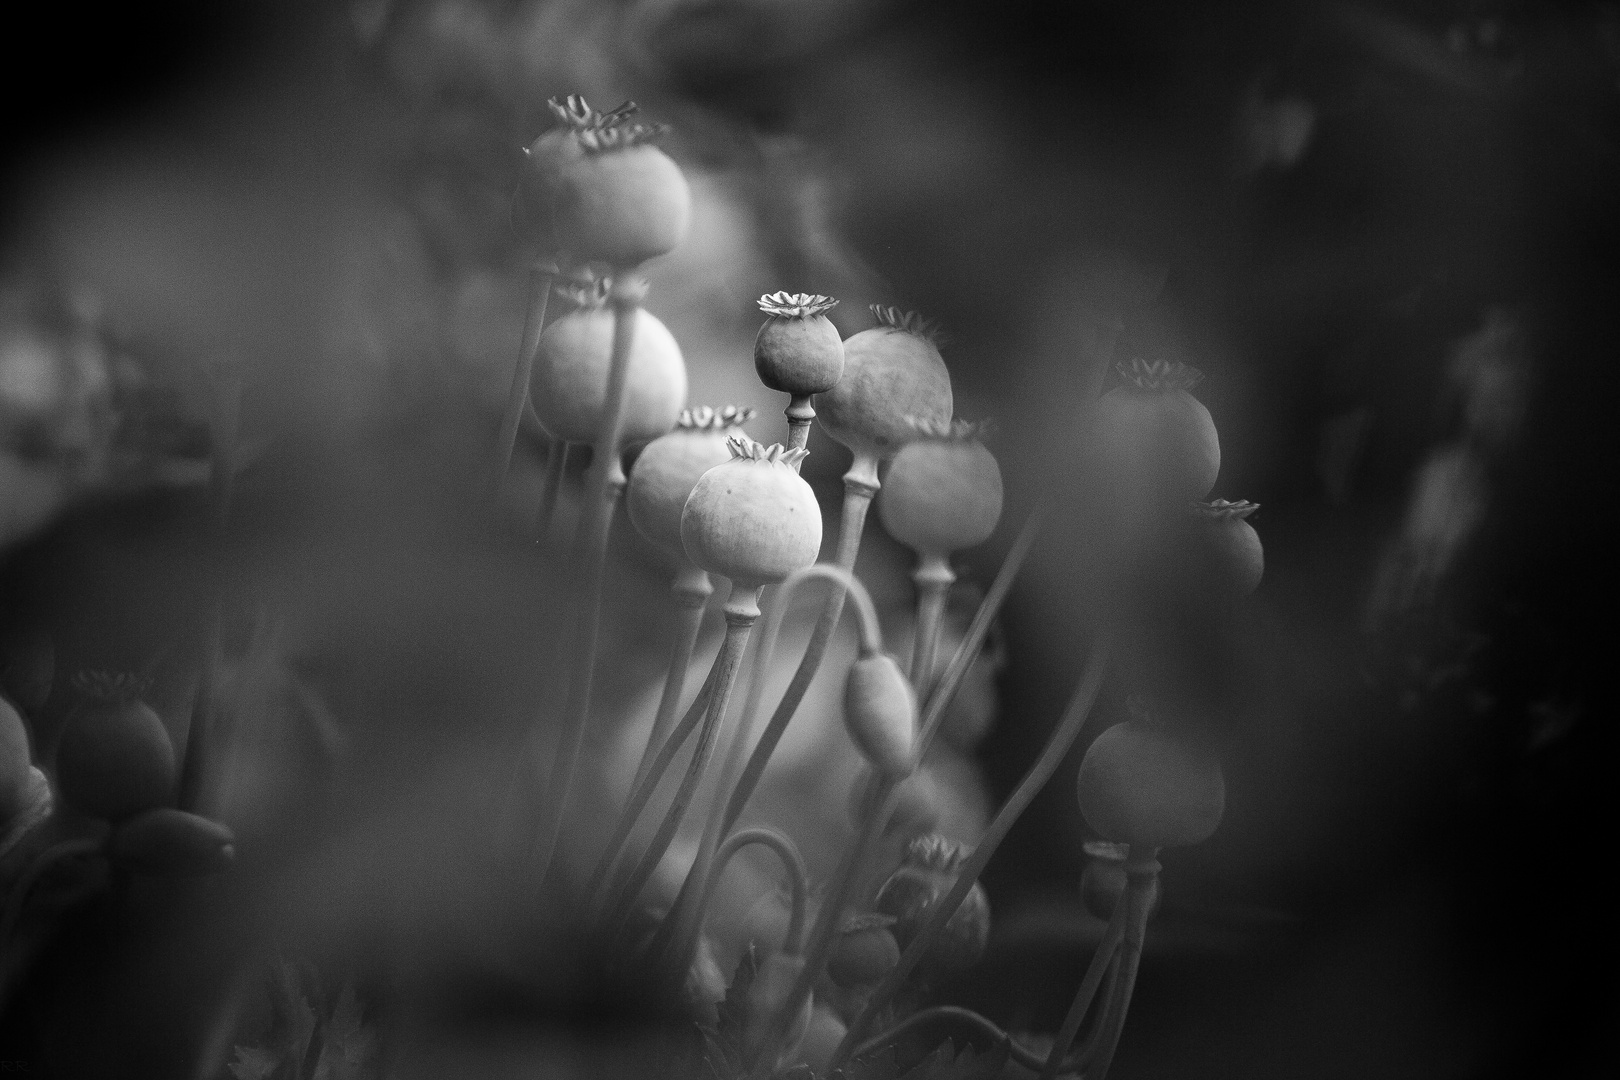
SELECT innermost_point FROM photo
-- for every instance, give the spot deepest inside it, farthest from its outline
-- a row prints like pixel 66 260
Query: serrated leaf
pixel 733 1011
pixel 350 1046
pixel 882 1065
pixel 946 1064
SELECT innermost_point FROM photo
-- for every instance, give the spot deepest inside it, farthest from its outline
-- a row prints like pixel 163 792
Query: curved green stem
pixel 800 415
pixel 791 861
pixel 742 610
pixel 1141 869
pixel 604 485
pixel 523 371
pixel 1095 971
pixel 726 810
pixel 933 578
pixel 556 469
pixel 1074 718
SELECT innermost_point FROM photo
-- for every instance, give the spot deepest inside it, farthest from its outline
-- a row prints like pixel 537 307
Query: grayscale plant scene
pixel 809 540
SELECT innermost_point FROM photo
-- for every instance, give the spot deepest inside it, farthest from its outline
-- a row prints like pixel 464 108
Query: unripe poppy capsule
pixel 893 376
pixel 670 467
pixel 1143 785
pixel 622 201
pixel 114 758
pixel 798 350
pixel 534 208
pixel 943 490
pixel 569 387
pixel 772 985
pixel 864 951
pixel 880 713
pixel 1154 436
pixel 752 519
pixel 1230 557
pixel 168 841
pixel 928 873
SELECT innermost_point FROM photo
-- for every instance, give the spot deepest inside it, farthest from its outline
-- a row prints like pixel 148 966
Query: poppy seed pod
pixel 893 377
pixel 943 490
pixel 798 350
pixel 880 713
pixel 1140 784
pixel 1154 436
pixel 930 869
pixel 1230 558
pixel 621 200
pixel 569 388
pixel 114 758
pixel 752 519
pixel 168 841
pixel 864 951
pixel 15 763
pixel 534 208
pixel 670 467
pixel 772 985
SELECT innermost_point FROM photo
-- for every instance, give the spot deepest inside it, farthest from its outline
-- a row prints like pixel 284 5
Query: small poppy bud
pixel 798 350
pixel 943 490
pixel 880 713
pixel 114 758
pixel 927 874
pixel 864 951
pixel 1141 784
pixel 171 841
pixel 752 519
pixel 569 386
pixel 893 377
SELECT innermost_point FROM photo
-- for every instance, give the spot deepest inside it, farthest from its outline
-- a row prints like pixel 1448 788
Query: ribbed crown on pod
pixel 577 114
pixel 111 687
pixel 744 447
pixel 620 137
pixel 706 418
pixel 583 291
pixel 951 430
pixel 935 852
pixel 785 305
pixel 1221 510
pixel 1160 375
pixel 908 322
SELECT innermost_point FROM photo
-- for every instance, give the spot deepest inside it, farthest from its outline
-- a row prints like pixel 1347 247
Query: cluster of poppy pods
pixel 599 199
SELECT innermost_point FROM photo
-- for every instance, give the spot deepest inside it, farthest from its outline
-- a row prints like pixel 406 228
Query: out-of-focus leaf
pixel 254 1063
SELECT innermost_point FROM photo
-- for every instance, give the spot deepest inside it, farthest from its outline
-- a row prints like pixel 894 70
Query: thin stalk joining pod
pixel 692 589
pixel 742 611
pixel 800 415
pixel 642 791
pixel 933 578
pixel 798 880
pixel 1141 869
pixel 687 913
pixel 540 278
pixel 1074 718
pixel 1083 996
pixel 556 469
pixel 603 487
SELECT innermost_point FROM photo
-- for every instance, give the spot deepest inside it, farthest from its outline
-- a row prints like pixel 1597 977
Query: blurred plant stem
pixel 540 279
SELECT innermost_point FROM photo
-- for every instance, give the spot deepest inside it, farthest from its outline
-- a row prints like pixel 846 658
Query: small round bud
pixel 1141 784
pixel 1154 437
pixel 114 758
pixel 880 713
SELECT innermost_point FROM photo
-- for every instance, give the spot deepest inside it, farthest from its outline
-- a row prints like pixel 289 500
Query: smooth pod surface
pixel 621 205
pixel 115 760
pixel 880 713
pixel 1229 558
pixel 1141 784
pixel 799 356
pixel 864 951
pixel 892 379
pixel 1159 442
pixel 754 521
pixel 663 478
pixel 569 388
pixel 168 841
pixel 941 495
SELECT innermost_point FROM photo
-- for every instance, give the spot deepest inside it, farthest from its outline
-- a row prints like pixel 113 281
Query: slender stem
pixel 723 815
pixel 791 861
pixel 692 589
pixel 604 485
pixel 540 278
pixel 642 792
pixel 742 610
pixel 830 917
pixel 1141 869
pixel 933 578
pixel 556 469
pixel 1095 971
pixel 1074 717
pixel 800 415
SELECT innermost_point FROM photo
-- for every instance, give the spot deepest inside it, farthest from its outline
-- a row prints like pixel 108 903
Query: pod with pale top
pixel 752 519
pixel 893 376
pixel 798 350
pixel 670 466
pixel 620 200
pixel 569 386
pixel 943 490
